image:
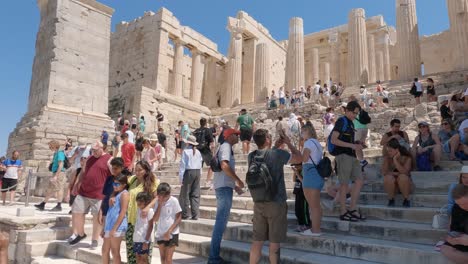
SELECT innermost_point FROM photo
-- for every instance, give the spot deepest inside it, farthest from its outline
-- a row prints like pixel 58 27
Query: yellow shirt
pixel 134 189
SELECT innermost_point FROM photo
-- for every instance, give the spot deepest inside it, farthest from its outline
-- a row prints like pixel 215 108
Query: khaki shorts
pixel 270 222
pixel 84 205
pixel 59 184
pixel 348 168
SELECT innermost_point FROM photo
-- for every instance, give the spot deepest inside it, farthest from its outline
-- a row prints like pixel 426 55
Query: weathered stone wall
pixel 437 53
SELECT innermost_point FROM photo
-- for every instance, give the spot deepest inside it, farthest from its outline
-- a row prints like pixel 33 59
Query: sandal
pixel 357 215
pixel 348 217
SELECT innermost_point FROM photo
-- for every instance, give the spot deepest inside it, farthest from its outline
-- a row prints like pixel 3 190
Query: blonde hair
pixel 54 144
pixel 310 130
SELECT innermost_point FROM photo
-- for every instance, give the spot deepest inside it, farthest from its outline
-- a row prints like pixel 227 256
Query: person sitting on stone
pixel 463 179
pixel 427 143
pixel 431 92
pixel 459 107
pixel 445 112
pixel 395 133
pixel 446 132
pixel 459 143
pixel 273 97
pixel 455 248
pixel 396 169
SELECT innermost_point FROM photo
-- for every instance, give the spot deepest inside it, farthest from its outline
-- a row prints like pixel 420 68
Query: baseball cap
pixel 231 131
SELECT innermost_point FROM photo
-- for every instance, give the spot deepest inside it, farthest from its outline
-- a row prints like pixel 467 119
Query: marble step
pixel 55 260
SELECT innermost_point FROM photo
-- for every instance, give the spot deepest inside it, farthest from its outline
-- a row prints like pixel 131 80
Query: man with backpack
pixel 343 146
pixel 247 125
pixel 265 178
pixel 205 141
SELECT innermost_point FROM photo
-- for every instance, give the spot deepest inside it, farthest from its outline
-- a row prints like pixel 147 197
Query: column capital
pixel 178 41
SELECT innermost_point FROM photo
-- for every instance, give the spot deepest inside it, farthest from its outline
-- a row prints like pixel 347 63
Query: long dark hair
pixel 122 179
pixel 149 178
pixel 394 144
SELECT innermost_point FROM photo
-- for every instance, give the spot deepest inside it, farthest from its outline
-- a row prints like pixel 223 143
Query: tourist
pixel 184 133
pixel 380 95
pixel 325 95
pixel 247 126
pixel 459 143
pixel 396 169
pixel 302 93
pixel 131 134
pixel 168 216
pixel 348 167
pixel 163 141
pixel 282 127
pixel 149 153
pixel 288 100
pixel 431 92
pixel 158 151
pixel 308 92
pixel 317 89
pixel 224 126
pixel 445 112
pixel 116 221
pixel 427 143
pixel 117 146
pixel 13 171
pixel 270 218
pixel 139 144
pixel 395 133
pixel 294 128
pixel 273 104
pixel 104 139
pixel 78 153
pixel 128 152
pixel 134 120
pixel 328 121
pixel 178 144
pixel 301 207
pixel 142 124
pixel 58 179
pixel 419 90
pixel 120 122
pixel 282 99
pixel 204 137
pixel 117 166
pixel 143 237
pixel 89 198
pixel 267 101
pixel 313 182
pixel 159 118
pixel 462 179
pixel 189 177
pixel 224 182
pixel 143 181
pixel 125 127
pixel 363 97
pixel 455 248
pixel 446 132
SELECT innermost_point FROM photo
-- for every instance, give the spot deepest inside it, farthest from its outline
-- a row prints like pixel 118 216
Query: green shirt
pixel 358 124
pixel 245 121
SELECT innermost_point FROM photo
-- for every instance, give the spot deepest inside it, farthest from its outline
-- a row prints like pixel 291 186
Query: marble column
pixel 196 82
pixel 315 65
pixel 386 58
pixel 371 57
pixel 408 40
pixel 295 55
pixel 326 73
pixel 177 70
pixel 262 72
pixel 358 66
pixel 232 96
pixel 458 15
pixel 211 88
pixel 335 57
pixel 380 69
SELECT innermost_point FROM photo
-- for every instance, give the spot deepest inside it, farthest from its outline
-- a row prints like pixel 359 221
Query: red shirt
pixel 128 151
pixel 124 129
pixel 96 173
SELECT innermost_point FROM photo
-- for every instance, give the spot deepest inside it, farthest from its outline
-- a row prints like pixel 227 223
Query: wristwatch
pixel 148 241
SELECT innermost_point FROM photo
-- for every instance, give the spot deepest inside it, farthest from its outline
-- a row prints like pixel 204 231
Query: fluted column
pixel 357 48
pixel 386 58
pixel 262 72
pixel 458 14
pixel 326 72
pixel 211 88
pixel 234 71
pixel 380 69
pixel 177 70
pixel 315 65
pixel 408 40
pixel 371 57
pixel 335 56
pixel 295 65
pixel 196 82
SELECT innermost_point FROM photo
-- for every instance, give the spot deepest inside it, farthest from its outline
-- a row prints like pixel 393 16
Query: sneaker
pixel 71 238
pixel 364 163
pixel 57 208
pixel 94 244
pixel 406 203
pixel 40 206
pixel 437 168
pixel 310 233
pixel 77 239
pixel 391 203
pixel 328 203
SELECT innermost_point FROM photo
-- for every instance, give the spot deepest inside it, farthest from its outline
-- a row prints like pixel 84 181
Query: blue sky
pixel 21 21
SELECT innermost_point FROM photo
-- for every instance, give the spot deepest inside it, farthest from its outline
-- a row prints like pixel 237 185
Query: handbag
pixel 441 219
pixel 324 167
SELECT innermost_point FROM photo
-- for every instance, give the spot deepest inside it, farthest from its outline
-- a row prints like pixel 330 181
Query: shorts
pixel 446 147
pixel 418 94
pixel 9 184
pixel 348 168
pixel 206 156
pixel 282 101
pixel 84 205
pixel 59 184
pixel 312 179
pixel 138 248
pixel 117 234
pixel 246 134
pixel 270 222
pixel 174 241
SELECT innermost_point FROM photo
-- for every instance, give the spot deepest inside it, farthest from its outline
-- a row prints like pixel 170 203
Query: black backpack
pixel 364 117
pixel 324 167
pixel 259 180
pixel 66 164
pixel 413 89
pixel 200 135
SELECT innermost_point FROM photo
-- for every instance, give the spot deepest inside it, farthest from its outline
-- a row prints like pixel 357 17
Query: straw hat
pixel 153 137
pixel 192 140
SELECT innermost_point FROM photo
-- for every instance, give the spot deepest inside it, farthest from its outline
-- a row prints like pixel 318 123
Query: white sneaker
pixel 310 233
pixel 71 238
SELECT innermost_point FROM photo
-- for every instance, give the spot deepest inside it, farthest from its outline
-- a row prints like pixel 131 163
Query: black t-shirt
pixel 445 112
pixel 207 133
pixel 162 139
pixel 459 223
pixel 107 191
pixel 345 136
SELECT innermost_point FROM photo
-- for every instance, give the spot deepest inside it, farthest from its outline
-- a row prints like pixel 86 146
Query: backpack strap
pixel 310 156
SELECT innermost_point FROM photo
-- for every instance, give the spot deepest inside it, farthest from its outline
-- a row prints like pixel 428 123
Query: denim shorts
pixel 312 179
pixel 446 147
pixel 282 101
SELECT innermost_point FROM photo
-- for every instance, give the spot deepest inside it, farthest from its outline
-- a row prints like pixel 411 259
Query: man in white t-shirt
pixel 419 91
pixel 13 169
pixel 282 99
pixel 317 88
pixel 131 134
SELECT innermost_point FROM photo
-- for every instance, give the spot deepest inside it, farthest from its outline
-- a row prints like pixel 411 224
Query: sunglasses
pixel 116 184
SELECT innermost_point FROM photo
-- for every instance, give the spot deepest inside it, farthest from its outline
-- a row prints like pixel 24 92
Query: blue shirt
pixel 12 167
pixel 185 131
pixel 113 214
pixel 58 156
pixel 107 191
pixel 105 138
pixel 451 201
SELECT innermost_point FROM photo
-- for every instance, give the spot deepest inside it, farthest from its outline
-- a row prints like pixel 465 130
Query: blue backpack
pixel 330 146
pixel 423 162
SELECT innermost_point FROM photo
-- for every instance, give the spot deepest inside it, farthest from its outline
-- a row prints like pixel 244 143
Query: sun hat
pixel 192 140
pixel 153 137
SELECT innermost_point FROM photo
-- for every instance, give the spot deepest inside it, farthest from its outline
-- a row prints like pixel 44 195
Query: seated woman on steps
pixel 459 143
pixel 396 169
pixel 427 143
